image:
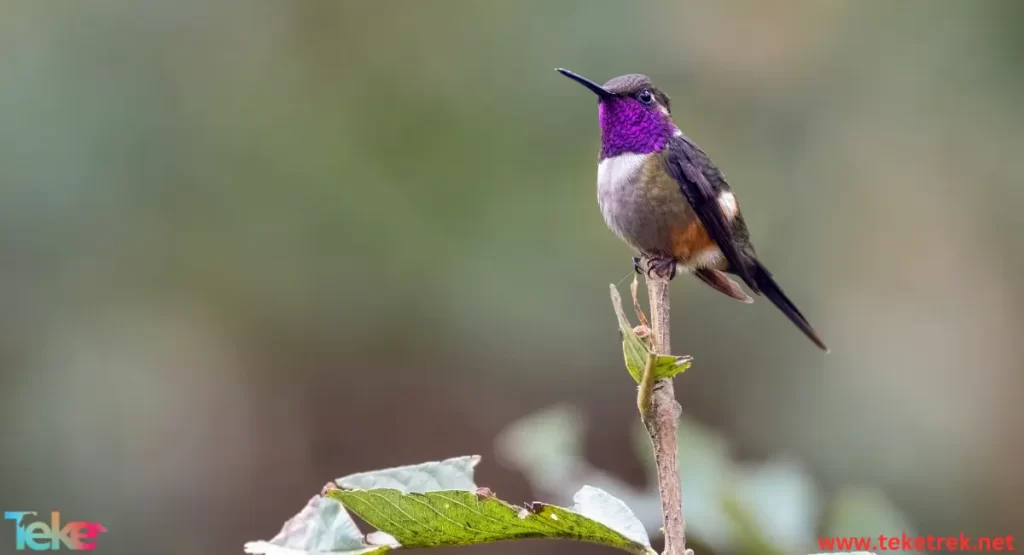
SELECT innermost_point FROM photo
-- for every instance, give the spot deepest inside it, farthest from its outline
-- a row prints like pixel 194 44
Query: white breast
pixel 617 172
pixel 617 191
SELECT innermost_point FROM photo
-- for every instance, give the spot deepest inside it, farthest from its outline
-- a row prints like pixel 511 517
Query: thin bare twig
pixel 662 422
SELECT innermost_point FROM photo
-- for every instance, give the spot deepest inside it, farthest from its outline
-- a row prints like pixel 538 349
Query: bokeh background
pixel 250 247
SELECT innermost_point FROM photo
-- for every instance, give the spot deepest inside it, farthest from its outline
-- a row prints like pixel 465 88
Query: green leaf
pixel 453 518
pixel 438 504
pixel 636 351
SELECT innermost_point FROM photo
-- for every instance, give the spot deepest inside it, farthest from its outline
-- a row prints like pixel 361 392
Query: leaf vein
pixel 383 515
pixel 486 516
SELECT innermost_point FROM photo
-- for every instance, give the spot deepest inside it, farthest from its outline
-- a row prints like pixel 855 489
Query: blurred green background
pixel 250 247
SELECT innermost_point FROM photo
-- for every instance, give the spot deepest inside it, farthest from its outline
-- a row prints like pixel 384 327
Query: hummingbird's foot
pixel 661 266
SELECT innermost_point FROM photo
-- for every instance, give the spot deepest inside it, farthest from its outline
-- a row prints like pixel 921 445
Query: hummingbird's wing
pixel 702 184
pixel 688 165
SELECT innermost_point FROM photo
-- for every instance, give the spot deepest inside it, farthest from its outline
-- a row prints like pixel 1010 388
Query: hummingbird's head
pixel 635 116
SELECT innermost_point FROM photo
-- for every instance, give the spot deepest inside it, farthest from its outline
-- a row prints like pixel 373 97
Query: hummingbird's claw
pixel 664 267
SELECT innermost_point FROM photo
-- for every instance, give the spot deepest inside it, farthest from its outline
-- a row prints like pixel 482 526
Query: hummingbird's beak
pixel 600 91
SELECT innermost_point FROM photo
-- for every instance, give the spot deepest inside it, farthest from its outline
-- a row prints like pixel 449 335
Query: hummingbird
pixel 660 193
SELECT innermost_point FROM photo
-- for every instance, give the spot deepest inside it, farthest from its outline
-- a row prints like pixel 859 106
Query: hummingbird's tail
pixel 774 293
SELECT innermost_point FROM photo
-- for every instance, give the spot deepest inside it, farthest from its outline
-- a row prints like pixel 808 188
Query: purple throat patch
pixel 627 126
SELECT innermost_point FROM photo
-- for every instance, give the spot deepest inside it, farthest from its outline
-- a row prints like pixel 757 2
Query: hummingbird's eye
pixel 645 96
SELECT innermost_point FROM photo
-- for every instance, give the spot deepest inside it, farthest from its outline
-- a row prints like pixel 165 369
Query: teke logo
pixel 40 537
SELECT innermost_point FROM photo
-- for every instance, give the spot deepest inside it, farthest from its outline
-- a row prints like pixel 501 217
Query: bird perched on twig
pixel 661 194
